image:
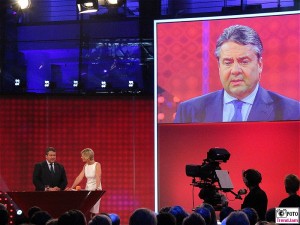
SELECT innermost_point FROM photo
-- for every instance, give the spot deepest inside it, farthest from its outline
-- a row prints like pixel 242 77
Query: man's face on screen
pixel 239 69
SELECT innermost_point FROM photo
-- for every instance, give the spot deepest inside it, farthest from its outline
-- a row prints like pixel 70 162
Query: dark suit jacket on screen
pixel 267 106
pixel 42 176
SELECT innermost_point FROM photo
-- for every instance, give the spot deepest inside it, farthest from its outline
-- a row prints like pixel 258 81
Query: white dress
pixel 90 174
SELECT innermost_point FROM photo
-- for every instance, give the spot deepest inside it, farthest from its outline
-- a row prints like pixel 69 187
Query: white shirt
pixel 228 107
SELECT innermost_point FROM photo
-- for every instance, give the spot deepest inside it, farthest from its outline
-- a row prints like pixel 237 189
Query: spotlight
pixel 87 6
pixel 17 82
pixel 23 4
pixel 49 84
pixel 111 3
pixel 103 84
pixel 75 83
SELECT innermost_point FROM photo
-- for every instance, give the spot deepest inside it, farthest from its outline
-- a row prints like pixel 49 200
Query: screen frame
pixel 156 124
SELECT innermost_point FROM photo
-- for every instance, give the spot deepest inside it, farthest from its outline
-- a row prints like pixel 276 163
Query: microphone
pixel 241 192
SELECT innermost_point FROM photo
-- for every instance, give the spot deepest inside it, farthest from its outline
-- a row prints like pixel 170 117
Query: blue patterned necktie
pixel 237 111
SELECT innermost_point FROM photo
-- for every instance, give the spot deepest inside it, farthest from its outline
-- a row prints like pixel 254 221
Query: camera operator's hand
pixel 224 201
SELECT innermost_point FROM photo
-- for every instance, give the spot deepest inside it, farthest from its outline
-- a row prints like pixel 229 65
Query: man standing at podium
pixel 49 175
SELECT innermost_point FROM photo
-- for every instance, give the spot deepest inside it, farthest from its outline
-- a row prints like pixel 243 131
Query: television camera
pixel 211 179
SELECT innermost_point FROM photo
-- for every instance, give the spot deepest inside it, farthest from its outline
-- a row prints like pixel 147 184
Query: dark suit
pixel 267 106
pixel 257 199
pixel 42 176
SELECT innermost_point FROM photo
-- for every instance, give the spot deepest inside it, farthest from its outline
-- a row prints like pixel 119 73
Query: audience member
pixel 165 209
pixel 32 210
pixel 40 217
pixel 205 213
pixel 143 216
pixel 101 219
pixel 193 219
pixel 291 183
pixel 225 211
pixel 237 218
pixel 270 215
pixel 166 218
pixel 115 219
pixel 72 217
pixel 179 213
pixel 213 217
pixel 2 206
pixel 256 198
pixel 52 222
pixel 251 214
pixel 262 222
pixel 3 217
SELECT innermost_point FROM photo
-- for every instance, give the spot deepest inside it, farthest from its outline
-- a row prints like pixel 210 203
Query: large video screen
pixel 193 85
pixel 194 89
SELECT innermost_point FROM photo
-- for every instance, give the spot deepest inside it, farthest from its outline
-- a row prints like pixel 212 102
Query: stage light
pixel 23 4
pixel 75 83
pixel 87 6
pixel 111 3
pixel 47 83
pixel 103 84
pixel 17 82
pixel 131 84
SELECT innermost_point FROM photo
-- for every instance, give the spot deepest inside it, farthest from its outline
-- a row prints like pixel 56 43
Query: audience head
pixel 32 210
pixel 2 206
pixel 179 213
pixel 262 222
pixel 72 217
pixel 252 177
pixel 237 218
pixel 213 216
pixel 225 211
pixel 102 219
pixel 52 222
pixel 193 219
pixel 165 209
pixel 251 214
pixel 40 218
pixel 166 218
pixel 3 217
pixel 115 219
pixel 143 216
pixel 205 213
pixel 270 215
pixel 291 183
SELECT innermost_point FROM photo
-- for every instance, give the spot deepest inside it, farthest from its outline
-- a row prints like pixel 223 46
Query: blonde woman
pixel 92 171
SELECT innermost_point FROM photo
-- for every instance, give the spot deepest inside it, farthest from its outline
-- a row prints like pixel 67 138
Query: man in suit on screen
pixel 49 175
pixel 239 53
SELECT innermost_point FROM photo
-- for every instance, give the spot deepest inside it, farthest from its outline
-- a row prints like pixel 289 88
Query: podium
pixel 56 202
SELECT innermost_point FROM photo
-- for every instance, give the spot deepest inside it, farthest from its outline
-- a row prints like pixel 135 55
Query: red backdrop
pixel 118 129
pixel 187 67
pixel 270 147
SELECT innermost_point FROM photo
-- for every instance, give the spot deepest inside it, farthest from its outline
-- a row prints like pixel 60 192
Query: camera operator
pixel 257 198
pixel 291 183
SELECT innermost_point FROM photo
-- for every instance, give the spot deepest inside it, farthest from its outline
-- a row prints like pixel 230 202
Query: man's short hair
pixel 253 177
pixel 291 183
pixel 242 35
pixel 50 149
